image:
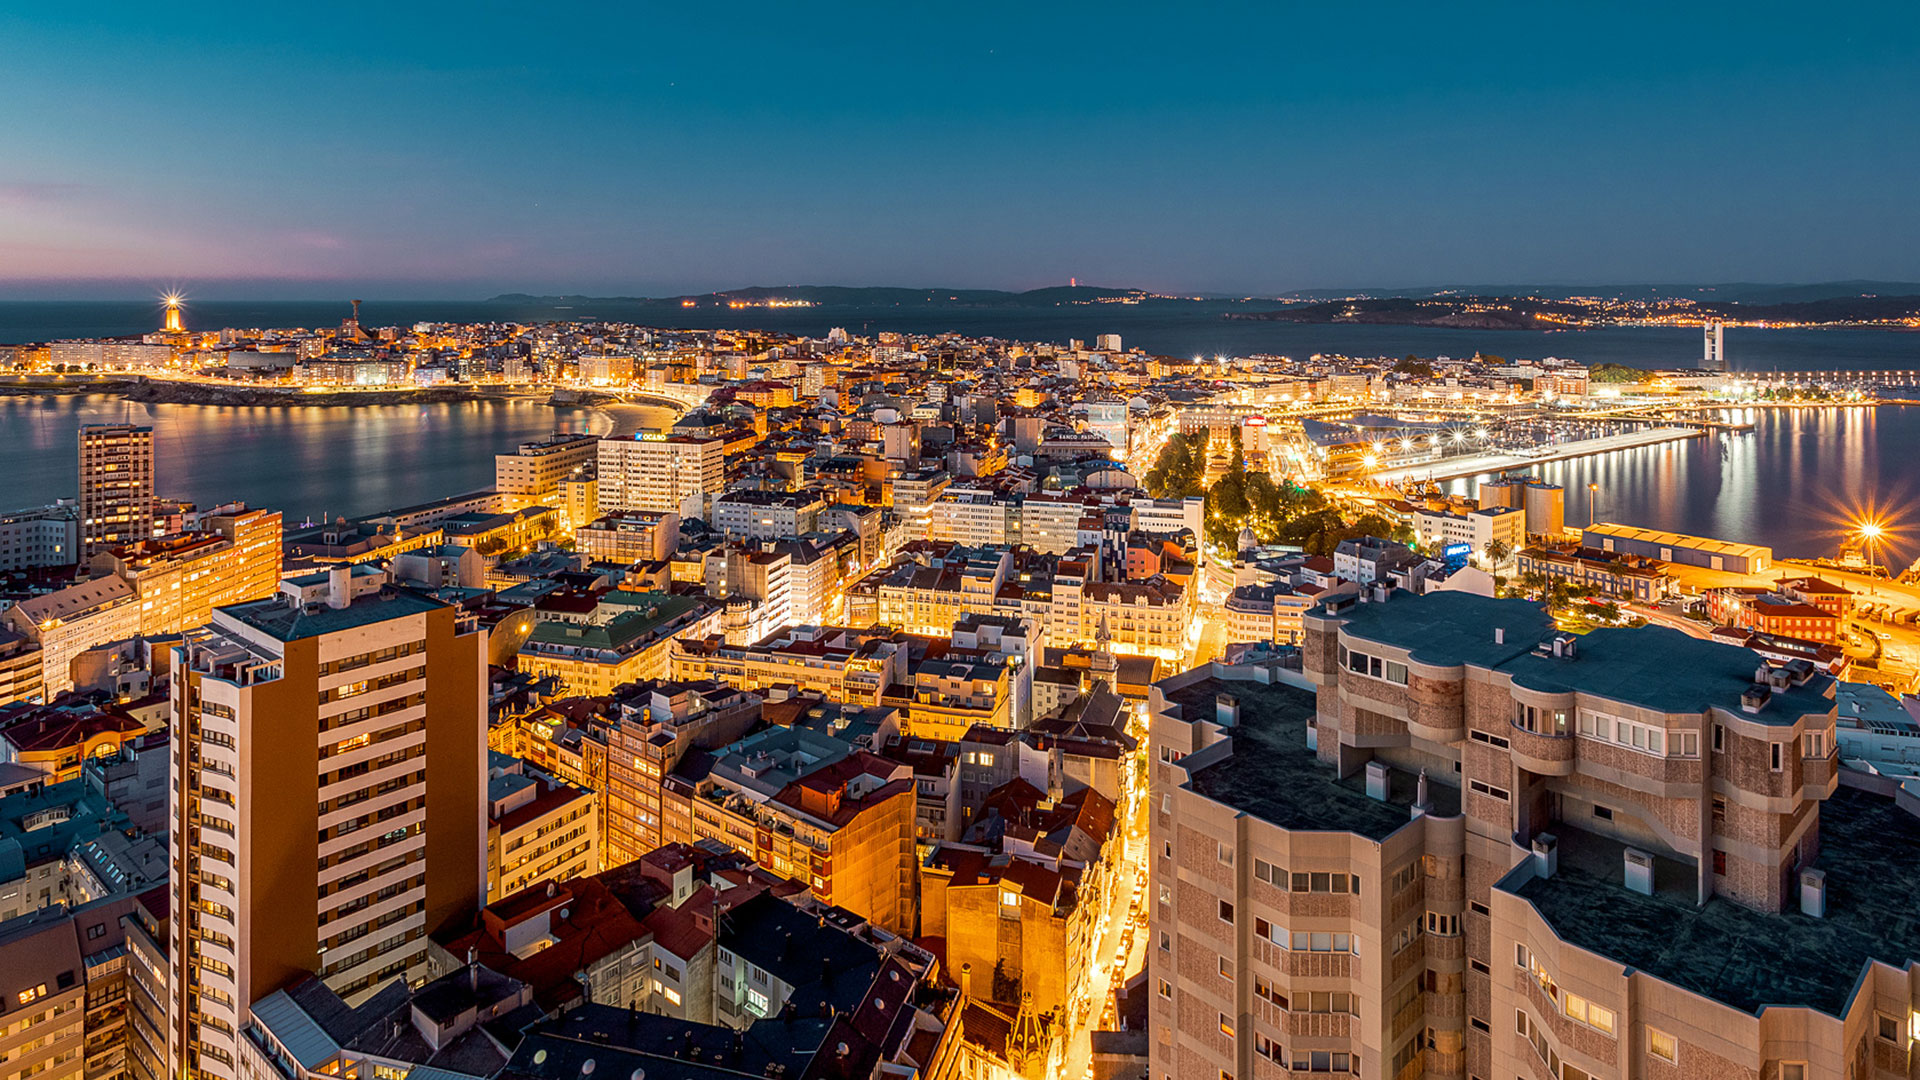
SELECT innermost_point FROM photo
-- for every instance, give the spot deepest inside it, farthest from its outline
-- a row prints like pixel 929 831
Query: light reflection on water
pixel 303 461
pixel 1790 483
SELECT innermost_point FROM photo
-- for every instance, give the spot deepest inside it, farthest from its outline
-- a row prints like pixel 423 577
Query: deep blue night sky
pixel 458 150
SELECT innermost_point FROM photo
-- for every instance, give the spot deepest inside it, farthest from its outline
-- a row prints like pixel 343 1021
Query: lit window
pixel 1662 1045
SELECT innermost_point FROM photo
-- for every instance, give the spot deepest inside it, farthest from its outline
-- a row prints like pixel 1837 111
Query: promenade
pixel 1475 464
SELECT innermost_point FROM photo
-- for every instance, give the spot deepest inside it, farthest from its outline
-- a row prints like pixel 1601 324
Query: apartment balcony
pixel 1546 755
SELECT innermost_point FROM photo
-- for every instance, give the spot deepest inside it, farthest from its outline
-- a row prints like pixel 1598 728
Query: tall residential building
pixel 1461 843
pixel 116 485
pixel 327 799
pixel 656 473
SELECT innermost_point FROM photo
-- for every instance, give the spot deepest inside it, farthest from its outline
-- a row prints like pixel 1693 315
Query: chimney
pixel 1639 866
pixel 473 977
pixel 1813 893
pixel 1377 774
pixel 1499 635
pixel 966 980
pixel 1546 855
pixel 1226 710
pixel 339 586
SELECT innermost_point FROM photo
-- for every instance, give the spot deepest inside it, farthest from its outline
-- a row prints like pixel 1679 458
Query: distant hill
pixel 1529 312
pixel 1739 292
pixel 853 296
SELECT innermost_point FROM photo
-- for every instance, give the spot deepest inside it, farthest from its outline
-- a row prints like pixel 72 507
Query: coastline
pixel 169 392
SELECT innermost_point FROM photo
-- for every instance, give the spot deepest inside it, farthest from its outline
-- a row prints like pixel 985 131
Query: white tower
pixel 1714 356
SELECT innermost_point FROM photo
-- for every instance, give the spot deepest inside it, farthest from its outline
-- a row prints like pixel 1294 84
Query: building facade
pixel 312 830
pixel 1460 843
pixel 116 485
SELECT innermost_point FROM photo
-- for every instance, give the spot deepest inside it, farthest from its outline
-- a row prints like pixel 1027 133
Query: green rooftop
pixel 618 632
pixel 1735 955
pixel 1273 776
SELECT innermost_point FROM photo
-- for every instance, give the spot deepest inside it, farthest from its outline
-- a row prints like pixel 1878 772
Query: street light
pixel 1593 492
pixel 1871 534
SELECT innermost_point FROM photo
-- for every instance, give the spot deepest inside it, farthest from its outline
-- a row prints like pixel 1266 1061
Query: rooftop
pixel 1272 775
pixel 1733 954
pixel 1654 667
pixel 292 622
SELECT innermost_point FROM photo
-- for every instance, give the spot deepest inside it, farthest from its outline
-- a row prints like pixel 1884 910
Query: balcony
pixel 1546 755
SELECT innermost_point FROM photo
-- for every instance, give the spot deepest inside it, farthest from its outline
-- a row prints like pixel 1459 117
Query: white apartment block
pixel 655 473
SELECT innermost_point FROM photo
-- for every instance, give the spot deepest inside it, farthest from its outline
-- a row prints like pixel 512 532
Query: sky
pixel 417 150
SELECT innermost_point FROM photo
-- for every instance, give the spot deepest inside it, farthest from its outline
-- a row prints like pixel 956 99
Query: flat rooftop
pixel 1654 667
pixel 1735 955
pixel 1448 629
pixel 1272 775
pixel 287 622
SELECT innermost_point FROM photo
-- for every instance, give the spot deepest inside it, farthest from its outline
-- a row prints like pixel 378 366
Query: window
pixel 1269 1049
pixel 1816 744
pixel 1594 1016
pixel 1406 937
pixel 756 1002
pixel 1402 878
pixel 1226 1026
pixel 1480 967
pixel 1226 911
pixel 1889 1029
pixel 1333 1001
pixel 1166 989
pixel 1305 941
pixel 1793 1070
pixel 1778 759
pixel 1443 925
pixel 1719 738
pixel 1478 908
pixel 1661 1045
pixel 1226 968
pixel 1166 941
pixel 1326 883
pixel 1166 849
pixel 1604 813
pixel 1488 790
pixel 1374 667
pixel 1683 744
pixel 1720 863
pixel 1479 1024
pixel 1494 741
pixel 1269 873
pixel 1223 853
pixel 1719 810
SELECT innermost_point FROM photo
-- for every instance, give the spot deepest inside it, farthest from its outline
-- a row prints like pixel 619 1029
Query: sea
pixel 1793 482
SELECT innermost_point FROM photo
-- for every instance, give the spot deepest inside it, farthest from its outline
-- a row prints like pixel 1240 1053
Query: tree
pixel 1498 552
